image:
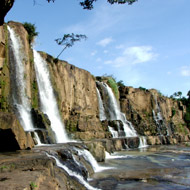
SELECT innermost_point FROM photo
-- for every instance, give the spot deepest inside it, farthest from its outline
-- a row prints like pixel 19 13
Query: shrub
pixel 31 29
pixel 113 85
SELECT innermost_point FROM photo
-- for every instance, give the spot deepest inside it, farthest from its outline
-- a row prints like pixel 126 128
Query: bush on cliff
pixel 113 85
pixel 31 29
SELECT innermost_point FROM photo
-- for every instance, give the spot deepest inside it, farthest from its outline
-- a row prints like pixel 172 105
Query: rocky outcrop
pixel 34 170
pixel 151 113
pixel 76 94
pixel 12 135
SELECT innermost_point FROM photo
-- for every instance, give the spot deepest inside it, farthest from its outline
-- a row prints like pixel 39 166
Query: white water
pixel 159 119
pixel 115 156
pixel 102 113
pixel 21 102
pixel 113 132
pixel 143 142
pixel 73 174
pixel 47 98
pixel 116 114
pixel 88 157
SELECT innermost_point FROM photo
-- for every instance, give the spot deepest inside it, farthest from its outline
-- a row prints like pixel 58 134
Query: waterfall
pixel 114 112
pixel 47 98
pixel 159 120
pixel 20 99
pixel 113 132
pixel 88 157
pixel 73 174
pixel 102 113
pixel 143 142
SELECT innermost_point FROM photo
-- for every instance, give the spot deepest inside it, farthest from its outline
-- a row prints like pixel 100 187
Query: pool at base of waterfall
pixel 153 168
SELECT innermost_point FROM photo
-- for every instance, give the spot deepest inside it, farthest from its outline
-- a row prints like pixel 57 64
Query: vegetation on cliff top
pixel 31 29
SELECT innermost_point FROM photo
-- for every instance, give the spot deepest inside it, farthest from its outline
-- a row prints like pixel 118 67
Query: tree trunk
pixel 5 6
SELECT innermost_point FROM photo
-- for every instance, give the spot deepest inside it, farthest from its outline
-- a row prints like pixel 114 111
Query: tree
pixel 6 5
pixel 68 40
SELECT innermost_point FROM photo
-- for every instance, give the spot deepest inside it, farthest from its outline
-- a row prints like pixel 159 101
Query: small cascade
pixel 113 132
pixel 20 99
pixel 102 113
pixel 88 157
pixel 79 177
pixel 47 98
pixel 159 120
pixel 113 112
pixel 143 142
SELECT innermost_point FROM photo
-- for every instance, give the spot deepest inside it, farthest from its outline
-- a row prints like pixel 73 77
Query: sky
pixel 146 44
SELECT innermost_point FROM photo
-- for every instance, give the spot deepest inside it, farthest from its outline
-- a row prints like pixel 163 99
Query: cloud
pixel 93 53
pixel 185 71
pixel 133 55
pixel 105 42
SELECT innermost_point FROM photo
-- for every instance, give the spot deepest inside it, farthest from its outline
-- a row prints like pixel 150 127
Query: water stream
pixel 47 98
pixel 114 112
pixel 20 99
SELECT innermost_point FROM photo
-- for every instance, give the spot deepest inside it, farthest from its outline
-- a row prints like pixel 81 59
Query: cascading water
pixel 47 98
pixel 157 115
pixel 73 174
pixel 115 113
pixel 20 98
pixel 88 157
pixel 102 113
pixel 143 142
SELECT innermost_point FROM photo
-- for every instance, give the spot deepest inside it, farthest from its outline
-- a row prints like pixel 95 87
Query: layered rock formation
pixel 153 114
pixel 75 90
pixel 76 94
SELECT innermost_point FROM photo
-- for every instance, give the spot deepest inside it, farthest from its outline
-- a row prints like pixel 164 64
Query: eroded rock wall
pixel 147 109
pixel 76 95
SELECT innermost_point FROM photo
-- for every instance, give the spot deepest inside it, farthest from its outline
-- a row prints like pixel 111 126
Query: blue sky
pixel 146 44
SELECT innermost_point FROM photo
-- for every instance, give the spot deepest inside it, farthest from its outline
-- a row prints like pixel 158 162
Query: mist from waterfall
pixel 47 98
pixel 20 99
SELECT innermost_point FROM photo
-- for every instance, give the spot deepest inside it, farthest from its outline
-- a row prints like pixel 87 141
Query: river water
pixel 153 168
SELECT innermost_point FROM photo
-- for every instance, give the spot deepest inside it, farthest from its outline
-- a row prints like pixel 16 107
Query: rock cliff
pixel 153 114
pixel 76 94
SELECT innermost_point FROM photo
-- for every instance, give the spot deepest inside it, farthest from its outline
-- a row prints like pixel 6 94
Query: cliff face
pixel 153 114
pixel 77 99
pixel 75 90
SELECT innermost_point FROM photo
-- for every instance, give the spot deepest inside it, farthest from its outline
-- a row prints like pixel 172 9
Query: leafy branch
pixel 68 40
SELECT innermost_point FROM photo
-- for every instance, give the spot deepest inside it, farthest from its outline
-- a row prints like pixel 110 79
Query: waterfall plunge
pixel 115 113
pixel 73 174
pixel 20 98
pixel 47 98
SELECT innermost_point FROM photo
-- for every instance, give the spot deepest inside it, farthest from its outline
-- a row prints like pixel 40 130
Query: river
pixel 153 168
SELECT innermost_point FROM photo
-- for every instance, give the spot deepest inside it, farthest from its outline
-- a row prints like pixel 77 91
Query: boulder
pixel 12 135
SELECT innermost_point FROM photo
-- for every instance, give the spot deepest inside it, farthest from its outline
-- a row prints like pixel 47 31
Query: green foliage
pixel 88 4
pixel 120 83
pixel 68 40
pixel 34 95
pixel 187 119
pixel 142 88
pixel 113 85
pixel 33 186
pixel 173 112
pixel 31 29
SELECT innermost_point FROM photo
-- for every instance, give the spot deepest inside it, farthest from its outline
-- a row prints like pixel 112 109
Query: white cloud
pixel 93 53
pixel 105 42
pixel 133 55
pixel 185 71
